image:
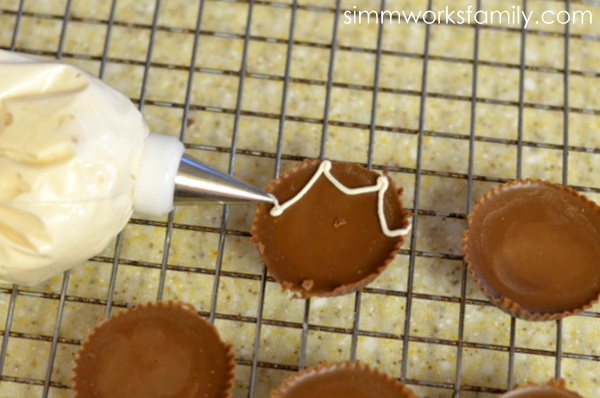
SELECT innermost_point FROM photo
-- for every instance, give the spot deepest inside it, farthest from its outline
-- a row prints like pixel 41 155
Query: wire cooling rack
pixel 53 379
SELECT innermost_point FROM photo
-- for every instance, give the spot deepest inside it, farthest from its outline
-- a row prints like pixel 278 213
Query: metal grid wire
pixel 457 387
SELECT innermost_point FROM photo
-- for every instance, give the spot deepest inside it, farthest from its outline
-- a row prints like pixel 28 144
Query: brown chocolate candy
pixel 534 249
pixel 343 379
pixel 540 392
pixel 328 243
pixel 156 350
pixel 553 389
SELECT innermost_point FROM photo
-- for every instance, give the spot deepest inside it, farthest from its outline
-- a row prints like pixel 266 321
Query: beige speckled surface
pixel 194 256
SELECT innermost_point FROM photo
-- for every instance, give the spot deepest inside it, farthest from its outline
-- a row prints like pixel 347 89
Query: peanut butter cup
pixel 534 249
pixel 162 349
pixel 553 389
pixel 334 229
pixel 342 379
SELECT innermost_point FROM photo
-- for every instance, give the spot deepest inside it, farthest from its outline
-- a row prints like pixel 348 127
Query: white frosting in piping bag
pixel 69 150
pixel 325 169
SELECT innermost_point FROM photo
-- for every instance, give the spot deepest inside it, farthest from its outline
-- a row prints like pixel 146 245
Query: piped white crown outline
pixel 325 169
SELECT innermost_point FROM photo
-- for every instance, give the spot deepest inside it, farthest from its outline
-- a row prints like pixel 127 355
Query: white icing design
pixel 325 169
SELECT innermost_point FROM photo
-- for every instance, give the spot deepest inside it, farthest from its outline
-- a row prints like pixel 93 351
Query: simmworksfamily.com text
pixel 516 15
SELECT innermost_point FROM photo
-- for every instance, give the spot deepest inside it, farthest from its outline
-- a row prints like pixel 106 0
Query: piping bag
pixel 76 160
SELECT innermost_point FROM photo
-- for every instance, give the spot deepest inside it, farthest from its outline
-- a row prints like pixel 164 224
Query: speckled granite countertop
pixel 207 258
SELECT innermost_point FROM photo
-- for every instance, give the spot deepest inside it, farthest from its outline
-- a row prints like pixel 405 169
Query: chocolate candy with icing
pixel 553 389
pixel 334 228
pixel 343 379
pixel 534 249
pixel 162 349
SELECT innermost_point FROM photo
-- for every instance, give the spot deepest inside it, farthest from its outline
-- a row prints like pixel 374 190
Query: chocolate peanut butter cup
pixel 157 350
pixel 342 379
pixel 534 249
pixel 553 389
pixel 334 229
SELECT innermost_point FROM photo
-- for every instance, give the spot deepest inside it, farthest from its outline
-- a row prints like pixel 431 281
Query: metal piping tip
pixel 196 182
